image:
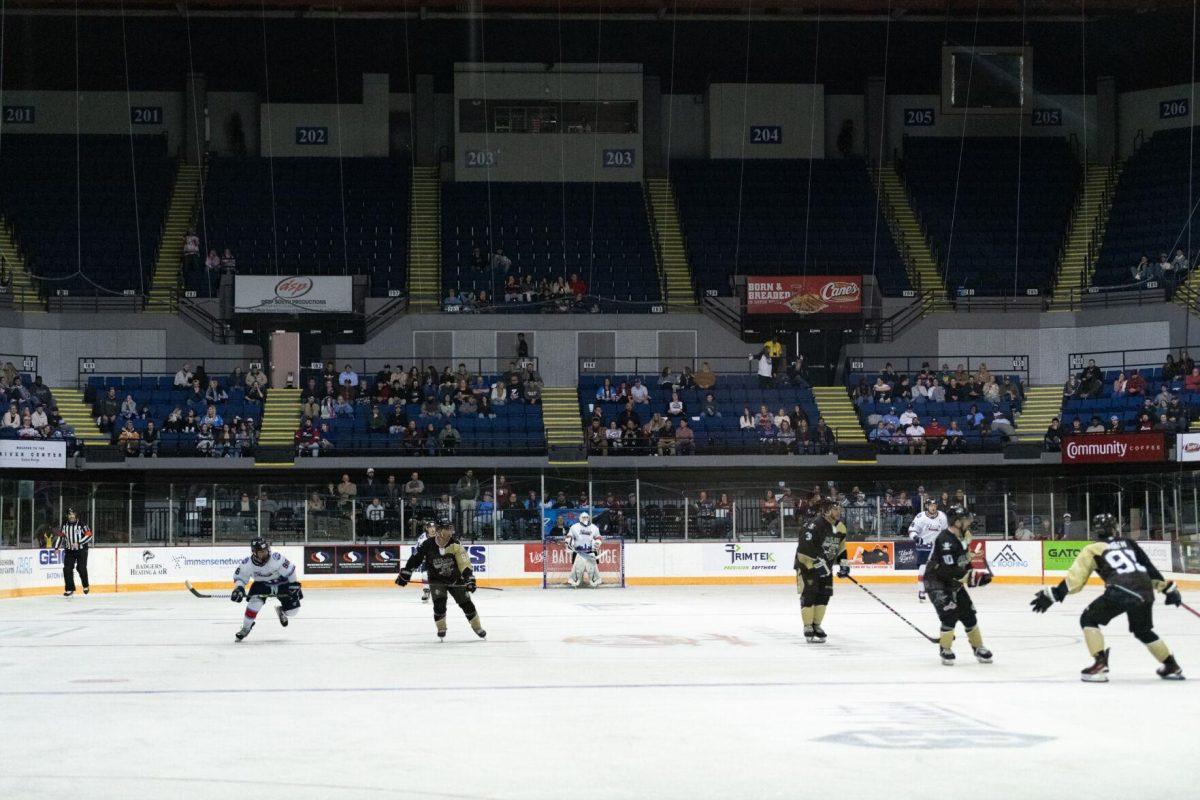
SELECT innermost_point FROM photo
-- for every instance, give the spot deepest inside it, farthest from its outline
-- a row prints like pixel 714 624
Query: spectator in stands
pixel 106 410
pixel 212 269
pixel 533 391
pixel 501 263
pixel 129 440
pixel 607 393
pixel 1140 273
pixel 955 441
pixel 974 418
pixel 348 377
pixel 40 391
pixel 890 419
pixel 214 393
pixel 376 422
pixel 914 432
pixel 1119 385
pixel 578 286
pixel 256 377
pixel 1163 398
pixel 5 276
pixel 746 420
pixel 823 438
pixel 882 390
pixel 709 407
pixel 908 416
pixel 347 491
pixel 174 422
pixel 676 407
pixel 705 378
pixel 446 406
pixel 1002 425
pixel 766 371
pixel 785 437
pixel 468 406
pixel 1095 426
pixel 1144 423
pixel 596 441
pixel 774 350
pixel 633 439
pixel 1077 427
pixel 449 439
pixel 205 440
pixel 1114 425
pixel 429 439
pixel 410 438
pixel 1091 380
pixel 935 432
pixel 612 437
pixel 768 510
pixel 307 440
pixel 191 422
pixel 1052 440
pixel 1136 385
pixel 514 392
pixel 638 393
pixel 38 417
pixel 1192 382
pixel 881 437
pixel 183 378
pixel 311 409
pixel 627 415
pixel 149 446
pixel 244 438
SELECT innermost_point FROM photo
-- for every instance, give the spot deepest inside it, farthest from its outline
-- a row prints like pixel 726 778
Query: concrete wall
pixel 838 109
pixel 351 130
pixel 684 132
pixel 1078 119
pixel 221 107
pixel 1139 112
pixel 98 113
pixel 797 109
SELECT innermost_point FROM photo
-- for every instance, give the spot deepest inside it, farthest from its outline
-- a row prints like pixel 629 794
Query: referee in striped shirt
pixel 74 539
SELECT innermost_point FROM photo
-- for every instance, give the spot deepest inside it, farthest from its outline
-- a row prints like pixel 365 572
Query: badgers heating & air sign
pixel 807 296
pixel 1113 448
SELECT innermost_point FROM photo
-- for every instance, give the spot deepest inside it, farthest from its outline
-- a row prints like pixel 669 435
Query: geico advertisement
pixel 21 569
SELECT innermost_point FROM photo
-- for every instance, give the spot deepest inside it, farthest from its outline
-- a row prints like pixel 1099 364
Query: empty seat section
pixel 74 211
pixel 764 217
pixel 998 227
pixel 309 216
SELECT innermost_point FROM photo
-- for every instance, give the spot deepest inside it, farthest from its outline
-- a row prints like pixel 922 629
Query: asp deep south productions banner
pixel 807 296
pixel 293 294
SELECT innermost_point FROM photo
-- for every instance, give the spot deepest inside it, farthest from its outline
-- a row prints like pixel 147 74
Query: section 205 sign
pixel 809 295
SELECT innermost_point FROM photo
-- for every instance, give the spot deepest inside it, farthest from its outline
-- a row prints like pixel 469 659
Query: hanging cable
pixel 595 150
pixel 1191 141
pixel 962 143
pixel 1021 165
pixel 887 48
pixel 137 214
pixel 812 133
pixel 337 105
pixel 270 137
pixel 737 237
pixel 671 81
pixel 78 158
pixel 562 145
pixel 196 137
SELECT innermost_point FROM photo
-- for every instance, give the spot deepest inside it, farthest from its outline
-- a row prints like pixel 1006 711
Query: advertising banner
pixel 1014 557
pixel 1058 556
pixel 870 555
pixel 1113 448
pixel 1187 447
pixel 384 558
pixel 32 454
pixel 1159 554
pixel 608 560
pixel 904 553
pixel 320 559
pixel 178 564
pixel 978 560
pixel 774 558
pixel 37 571
pixel 294 294
pixel 807 296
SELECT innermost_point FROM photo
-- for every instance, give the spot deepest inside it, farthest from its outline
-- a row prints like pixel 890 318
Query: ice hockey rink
pixel 678 692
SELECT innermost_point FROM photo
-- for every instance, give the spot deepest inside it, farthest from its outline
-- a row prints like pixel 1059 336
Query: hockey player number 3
pixel 1122 562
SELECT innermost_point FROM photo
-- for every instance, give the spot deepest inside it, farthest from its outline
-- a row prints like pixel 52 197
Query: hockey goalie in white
pixel 583 540
pixel 924 529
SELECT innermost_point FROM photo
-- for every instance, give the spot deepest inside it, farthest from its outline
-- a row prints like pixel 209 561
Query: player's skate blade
pixel 1097 672
pixel 921 595
pixel 68 593
pixel 947 657
pixel 242 634
pixel 425 595
pixel 983 655
pixel 283 617
pixel 87 589
pixel 819 634
pixel 1170 670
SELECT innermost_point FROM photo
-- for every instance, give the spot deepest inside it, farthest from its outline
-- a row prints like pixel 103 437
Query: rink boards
pixel 152 568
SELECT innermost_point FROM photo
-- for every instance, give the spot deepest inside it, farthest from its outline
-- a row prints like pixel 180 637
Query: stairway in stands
pixel 1188 293
pixel 165 283
pixel 560 414
pixel 1087 225
pixel 425 241
pixel 1042 404
pixel 281 418
pixel 834 405
pixel 676 272
pixel 923 271
pixel 25 294
pixel 78 414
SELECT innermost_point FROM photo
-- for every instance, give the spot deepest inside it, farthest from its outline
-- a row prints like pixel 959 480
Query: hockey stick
pixel 1189 608
pixel 461 586
pixel 894 611
pixel 198 593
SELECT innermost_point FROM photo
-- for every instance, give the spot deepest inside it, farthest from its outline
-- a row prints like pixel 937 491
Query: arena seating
pixel 773 217
pixel 599 231
pixel 323 216
pixel 981 207
pixel 81 230
pixel 1149 209
pixel 1127 408
pixel 714 435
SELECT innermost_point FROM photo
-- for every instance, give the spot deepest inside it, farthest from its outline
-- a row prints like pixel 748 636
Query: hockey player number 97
pixel 1122 562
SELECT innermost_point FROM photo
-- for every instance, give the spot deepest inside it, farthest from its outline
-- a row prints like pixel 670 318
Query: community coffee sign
pixel 293 294
pixel 1113 448
pixel 806 296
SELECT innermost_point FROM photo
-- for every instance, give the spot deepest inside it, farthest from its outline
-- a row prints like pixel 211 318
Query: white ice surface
pixel 680 692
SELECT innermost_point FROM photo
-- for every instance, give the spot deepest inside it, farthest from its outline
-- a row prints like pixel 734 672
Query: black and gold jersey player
pixel 448 570
pixel 822 544
pixel 947 576
pixel 1130 580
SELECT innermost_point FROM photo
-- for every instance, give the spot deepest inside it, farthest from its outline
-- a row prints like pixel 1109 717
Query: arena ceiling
pixel 783 8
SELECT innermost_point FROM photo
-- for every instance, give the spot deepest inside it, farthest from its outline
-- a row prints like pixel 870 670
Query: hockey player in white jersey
pixel 924 529
pixel 583 540
pixel 430 530
pixel 269 575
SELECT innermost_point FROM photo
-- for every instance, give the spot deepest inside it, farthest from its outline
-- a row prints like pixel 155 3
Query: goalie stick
pixel 894 611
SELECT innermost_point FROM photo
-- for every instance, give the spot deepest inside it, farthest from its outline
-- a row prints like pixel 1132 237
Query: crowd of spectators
pixel 1167 270
pixel 215 265
pixel 387 399
pixel 30 411
pixel 561 294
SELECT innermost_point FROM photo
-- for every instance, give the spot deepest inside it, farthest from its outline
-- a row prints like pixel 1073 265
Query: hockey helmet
pixel 960 516
pixel 1105 526
pixel 585 518
pixel 260 551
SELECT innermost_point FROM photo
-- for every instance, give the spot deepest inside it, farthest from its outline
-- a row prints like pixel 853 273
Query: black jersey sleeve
pixel 418 555
pixel 1155 574
pixel 811 546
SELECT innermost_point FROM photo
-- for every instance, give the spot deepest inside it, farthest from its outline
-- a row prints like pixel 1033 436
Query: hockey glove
pixel 239 594
pixel 843 571
pixel 821 568
pixel 1042 601
pixel 468 582
pixel 1172 597
pixel 404 577
pixel 979 577
pixel 294 590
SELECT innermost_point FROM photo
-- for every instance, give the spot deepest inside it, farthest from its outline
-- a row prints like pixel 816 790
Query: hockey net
pixel 557 563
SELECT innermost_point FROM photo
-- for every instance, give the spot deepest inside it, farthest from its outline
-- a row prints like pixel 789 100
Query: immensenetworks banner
pixel 1113 448
pixel 295 294
pixel 813 294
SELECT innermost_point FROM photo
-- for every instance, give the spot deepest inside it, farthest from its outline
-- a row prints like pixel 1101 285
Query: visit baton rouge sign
pixel 807 296
pixel 292 294
pixel 1113 448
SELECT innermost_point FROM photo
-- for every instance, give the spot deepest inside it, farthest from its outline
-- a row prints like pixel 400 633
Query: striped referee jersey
pixel 74 535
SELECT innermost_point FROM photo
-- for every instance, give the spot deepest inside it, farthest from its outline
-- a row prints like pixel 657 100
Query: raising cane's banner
pixel 809 295
pixel 1113 448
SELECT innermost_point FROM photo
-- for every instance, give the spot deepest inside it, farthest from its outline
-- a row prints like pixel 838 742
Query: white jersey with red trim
pixel 924 528
pixel 584 539
pixel 278 570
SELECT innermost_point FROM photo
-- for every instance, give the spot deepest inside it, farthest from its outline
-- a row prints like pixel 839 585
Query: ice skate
pixel 243 633
pixel 68 592
pixel 921 595
pixel 425 595
pixel 1170 670
pixel 810 635
pixel 983 655
pixel 283 617
pixel 87 589
pixel 947 656
pixel 818 634
pixel 1097 672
